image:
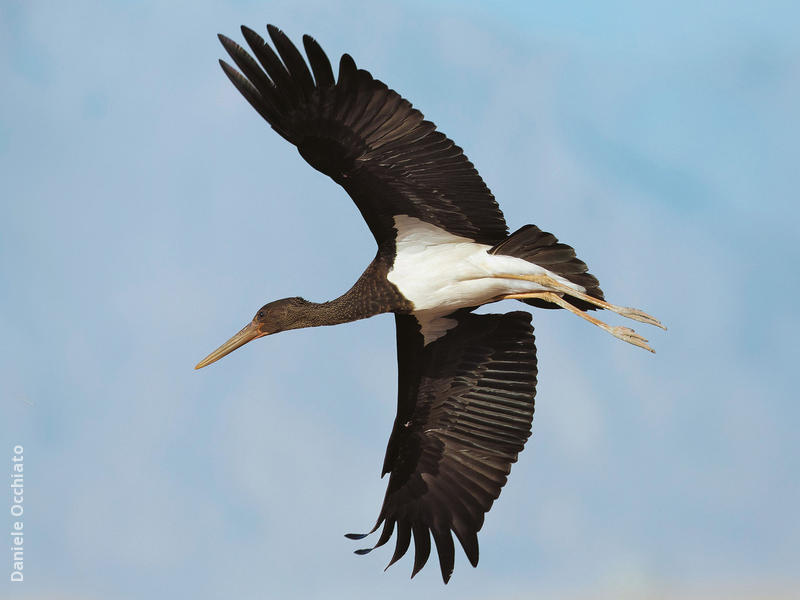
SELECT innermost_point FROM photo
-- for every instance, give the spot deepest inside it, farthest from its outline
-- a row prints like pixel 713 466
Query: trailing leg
pixel 555 285
pixel 623 333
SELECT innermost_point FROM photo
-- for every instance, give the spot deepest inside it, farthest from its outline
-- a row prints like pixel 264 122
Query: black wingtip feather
pixel 347 64
pixel 402 543
pixel 227 43
pixel 293 60
pixel 355 536
pixel 386 533
pixel 446 552
pixel 469 542
pixel 422 547
pixel 268 59
pixel 249 67
pixel 320 65
pixel 252 36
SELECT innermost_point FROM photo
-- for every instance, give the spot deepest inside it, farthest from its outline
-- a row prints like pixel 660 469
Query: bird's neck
pixel 371 295
pixel 343 309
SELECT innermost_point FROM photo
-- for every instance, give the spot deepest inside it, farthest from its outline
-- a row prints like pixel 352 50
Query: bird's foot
pixel 626 334
pixel 633 313
pixel 623 333
pixel 553 284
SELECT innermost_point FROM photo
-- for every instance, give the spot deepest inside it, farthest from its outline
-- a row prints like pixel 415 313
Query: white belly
pixel 439 273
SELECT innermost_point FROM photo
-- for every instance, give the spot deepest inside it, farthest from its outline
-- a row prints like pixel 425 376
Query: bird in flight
pixel 466 381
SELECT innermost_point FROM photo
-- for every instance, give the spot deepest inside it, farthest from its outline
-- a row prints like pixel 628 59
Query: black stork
pixel 466 381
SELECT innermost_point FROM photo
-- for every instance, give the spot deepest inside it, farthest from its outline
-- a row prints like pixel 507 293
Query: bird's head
pixel 273 317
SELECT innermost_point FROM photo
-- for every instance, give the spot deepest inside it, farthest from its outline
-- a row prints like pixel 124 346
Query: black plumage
pixel 466 382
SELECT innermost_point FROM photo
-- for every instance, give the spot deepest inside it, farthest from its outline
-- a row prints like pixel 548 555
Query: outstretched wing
pixel 465 407
pixel 366 137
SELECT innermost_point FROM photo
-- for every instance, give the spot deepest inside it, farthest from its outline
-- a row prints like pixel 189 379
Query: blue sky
pixel 147 212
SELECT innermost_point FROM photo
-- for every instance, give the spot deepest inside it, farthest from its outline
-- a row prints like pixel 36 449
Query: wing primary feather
pixel 248 66
pixel 403 541
pixel 293 60
pixel 320 65
pixel 469 542
pixel 422 546
pixel 345 87
pixel 272 65
pixel 386 533
pixel 247 90
pixel 446 551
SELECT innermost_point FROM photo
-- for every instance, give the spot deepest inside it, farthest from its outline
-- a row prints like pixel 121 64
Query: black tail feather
pixel 534 245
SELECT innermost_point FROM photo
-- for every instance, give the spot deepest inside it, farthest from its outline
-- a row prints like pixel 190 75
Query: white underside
pixel 440 273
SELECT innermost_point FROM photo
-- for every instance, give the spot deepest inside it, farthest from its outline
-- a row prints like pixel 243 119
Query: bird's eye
pixel 260 314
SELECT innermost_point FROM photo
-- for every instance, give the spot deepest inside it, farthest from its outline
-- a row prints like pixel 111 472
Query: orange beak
pixel 247 334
